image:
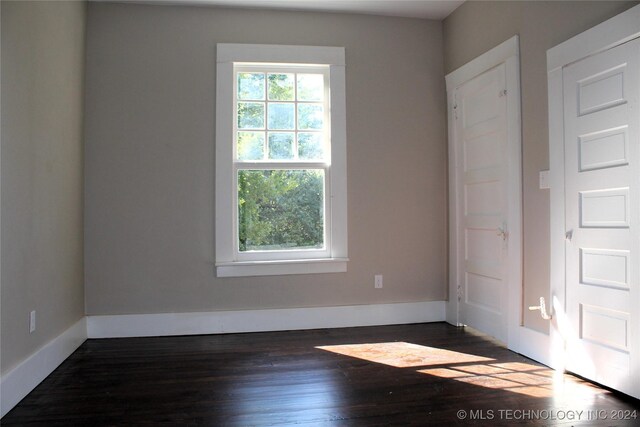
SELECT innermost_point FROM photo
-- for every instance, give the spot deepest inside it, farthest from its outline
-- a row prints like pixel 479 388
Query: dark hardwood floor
pixel 422 374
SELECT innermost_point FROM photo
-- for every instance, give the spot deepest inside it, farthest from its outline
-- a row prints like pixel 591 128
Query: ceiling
pixel 428 9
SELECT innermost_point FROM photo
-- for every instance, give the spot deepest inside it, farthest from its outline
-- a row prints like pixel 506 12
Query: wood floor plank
pixel 421 374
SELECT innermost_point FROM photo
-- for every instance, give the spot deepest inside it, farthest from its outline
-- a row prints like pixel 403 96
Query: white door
pixel 480 115
pixel 602 216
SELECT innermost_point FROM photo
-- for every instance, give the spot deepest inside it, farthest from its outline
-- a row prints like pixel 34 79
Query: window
pixel 280 160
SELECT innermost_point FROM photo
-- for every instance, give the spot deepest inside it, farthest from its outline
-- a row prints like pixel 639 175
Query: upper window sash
pixel 267 69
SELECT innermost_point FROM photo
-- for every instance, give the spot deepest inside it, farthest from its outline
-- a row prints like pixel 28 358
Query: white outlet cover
pixel 378 281
pixel 32 322
pixel 544 180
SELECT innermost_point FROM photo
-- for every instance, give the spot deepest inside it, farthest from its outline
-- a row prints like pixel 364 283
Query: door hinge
pixel 459 292
pixel 568 235
pixel 455 105
pixel 502 93
pixel 502 232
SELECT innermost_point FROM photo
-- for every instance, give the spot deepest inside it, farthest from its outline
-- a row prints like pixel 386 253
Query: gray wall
pixel 42 72
pixel 476 27
pixel 149 159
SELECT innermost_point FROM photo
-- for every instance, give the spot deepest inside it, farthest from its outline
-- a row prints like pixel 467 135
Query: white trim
pixel 270 268
pixel 224 211
pixel 453 312
pixel 216 322
pixel 245 258
pixel 612 32
pixel 237 52
pixel 515 328
pixel 227 261
pixel 484 62
pixel 556 200
pixel 507 53
pixel 339 230
pixel 21 380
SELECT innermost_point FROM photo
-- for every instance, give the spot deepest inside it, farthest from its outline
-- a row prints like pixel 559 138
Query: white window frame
pixel 285 164
pixel 229 261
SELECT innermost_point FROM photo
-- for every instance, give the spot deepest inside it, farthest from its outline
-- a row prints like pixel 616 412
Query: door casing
pixel 506 53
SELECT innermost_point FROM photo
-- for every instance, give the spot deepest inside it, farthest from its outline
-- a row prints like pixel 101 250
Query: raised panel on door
pixel 602 192
pixel 481 139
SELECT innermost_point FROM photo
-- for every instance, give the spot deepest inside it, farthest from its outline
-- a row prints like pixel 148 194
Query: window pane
pixel 280 209
pixel 250 145
pixel 310 146
pixel 310 116
pixel 251 86
pixel 310 87
pixel 251 115
pixel 281 87
pixel 281 116
pixel 281 145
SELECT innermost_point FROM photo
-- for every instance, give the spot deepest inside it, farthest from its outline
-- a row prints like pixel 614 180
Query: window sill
pixel 277 268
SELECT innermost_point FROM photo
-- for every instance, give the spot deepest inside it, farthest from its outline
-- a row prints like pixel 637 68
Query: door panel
pixel 604 149
pixel 481 139
pixel 605 267
pixel 602 215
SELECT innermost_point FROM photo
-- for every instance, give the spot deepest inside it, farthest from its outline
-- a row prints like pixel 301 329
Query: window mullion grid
pixel 326 106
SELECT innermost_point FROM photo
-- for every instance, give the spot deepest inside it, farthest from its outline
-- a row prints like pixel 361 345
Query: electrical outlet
pixel 544 180
pixel 32 322
pixel 377 283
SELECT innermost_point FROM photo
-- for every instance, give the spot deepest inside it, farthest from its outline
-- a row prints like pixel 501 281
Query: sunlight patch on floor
pixel 515 377
pixel 518 377
pixel 403 354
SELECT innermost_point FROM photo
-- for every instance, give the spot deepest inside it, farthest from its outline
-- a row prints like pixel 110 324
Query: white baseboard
pixel 164 324
pixel 21 380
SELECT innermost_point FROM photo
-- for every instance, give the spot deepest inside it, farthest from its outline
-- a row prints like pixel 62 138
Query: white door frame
pixel 611 33
pixel 508 53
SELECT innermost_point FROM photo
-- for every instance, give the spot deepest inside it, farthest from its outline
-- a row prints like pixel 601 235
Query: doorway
pixel 485 284
pixel 595 206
